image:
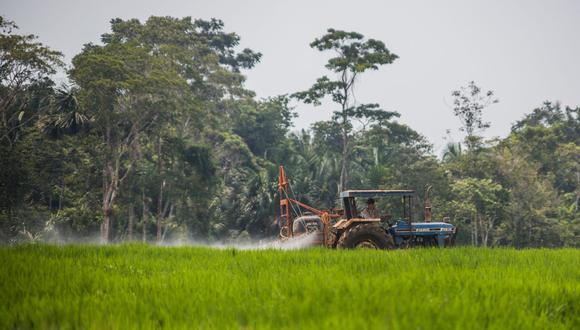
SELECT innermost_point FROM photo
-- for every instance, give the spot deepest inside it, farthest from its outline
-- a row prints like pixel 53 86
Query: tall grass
pixel 138 286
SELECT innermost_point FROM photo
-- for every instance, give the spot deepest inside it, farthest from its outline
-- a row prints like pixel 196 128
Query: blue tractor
pixel 355 227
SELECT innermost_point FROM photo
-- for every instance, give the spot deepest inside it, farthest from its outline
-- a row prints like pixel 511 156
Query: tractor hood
pixel 422 227
pixel 435 233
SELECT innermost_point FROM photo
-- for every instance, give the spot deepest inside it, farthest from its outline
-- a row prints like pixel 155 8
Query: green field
pixel 137 286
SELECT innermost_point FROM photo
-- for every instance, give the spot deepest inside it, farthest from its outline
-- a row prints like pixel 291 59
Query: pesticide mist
pixel 301 242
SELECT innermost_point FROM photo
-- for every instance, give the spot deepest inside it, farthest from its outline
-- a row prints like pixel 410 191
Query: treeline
pixel 156 138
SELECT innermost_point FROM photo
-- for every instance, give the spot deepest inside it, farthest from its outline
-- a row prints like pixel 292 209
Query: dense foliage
pixel 156 138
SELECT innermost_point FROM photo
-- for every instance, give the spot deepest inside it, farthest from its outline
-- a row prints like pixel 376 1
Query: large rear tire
pixel 366 235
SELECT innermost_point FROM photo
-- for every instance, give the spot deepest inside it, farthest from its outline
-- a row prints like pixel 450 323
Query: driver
pixel 370 212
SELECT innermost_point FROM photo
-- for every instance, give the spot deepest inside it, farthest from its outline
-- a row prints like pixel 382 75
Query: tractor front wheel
pixel 367 235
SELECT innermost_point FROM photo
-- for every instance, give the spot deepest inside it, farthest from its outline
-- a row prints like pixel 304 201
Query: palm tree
pixel 65 116
pixel 452 152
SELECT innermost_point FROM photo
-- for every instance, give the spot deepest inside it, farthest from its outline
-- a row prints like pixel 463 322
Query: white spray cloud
pixel 300 242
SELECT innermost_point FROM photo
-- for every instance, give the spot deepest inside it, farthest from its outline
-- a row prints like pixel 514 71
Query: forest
pixel 155 138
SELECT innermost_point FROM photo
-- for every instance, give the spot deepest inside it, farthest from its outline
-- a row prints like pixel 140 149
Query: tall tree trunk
pixel 487 229
pixel 110 189
pixel 577 191
pixel 161 185
pixel 485 234
pixel 472 235
pixel 113 175
pixel 106 210
pixel 105 225
pixel 107 187
pixel 130 221
pixel 344 156
pixel 518 226
pixel 170 214
pixel 160 212
pixel 61 195
pixel 474 229
pixel 478 231
pixel 344 163
pixel 144 216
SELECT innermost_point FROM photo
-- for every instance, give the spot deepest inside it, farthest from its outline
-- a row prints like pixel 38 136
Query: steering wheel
pixel 386 218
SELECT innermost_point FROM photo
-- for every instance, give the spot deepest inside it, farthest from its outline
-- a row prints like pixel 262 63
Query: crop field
pixel 139 286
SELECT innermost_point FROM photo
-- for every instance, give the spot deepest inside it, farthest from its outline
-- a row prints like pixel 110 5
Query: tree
pixel 531 217
pixel 65 116
pixel 26 93
pixel 478 203
pixel 23 63
pixel 123 87
pixel 355 55
pixel 263 125
pixel 541 134
pixel 158 91
pixel 452 152
pixel 468 105
pixel 539 161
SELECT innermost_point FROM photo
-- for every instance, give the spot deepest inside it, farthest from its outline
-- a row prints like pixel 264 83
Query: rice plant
pixel 140 286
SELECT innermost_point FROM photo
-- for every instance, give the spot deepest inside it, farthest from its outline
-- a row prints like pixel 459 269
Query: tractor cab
pixel 349 201
pixel 403 230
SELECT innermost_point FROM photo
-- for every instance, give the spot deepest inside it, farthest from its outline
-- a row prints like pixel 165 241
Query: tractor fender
pixel 344 224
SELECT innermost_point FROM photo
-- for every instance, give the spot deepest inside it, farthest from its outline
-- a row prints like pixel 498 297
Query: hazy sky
pixel 526 51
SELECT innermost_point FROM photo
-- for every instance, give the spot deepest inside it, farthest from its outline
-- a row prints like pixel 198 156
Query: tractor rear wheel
pixel 367 235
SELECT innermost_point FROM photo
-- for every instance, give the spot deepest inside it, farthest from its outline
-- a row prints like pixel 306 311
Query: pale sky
pixel 526 51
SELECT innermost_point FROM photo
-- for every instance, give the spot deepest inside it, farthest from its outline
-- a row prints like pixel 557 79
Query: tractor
pixel 347 228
